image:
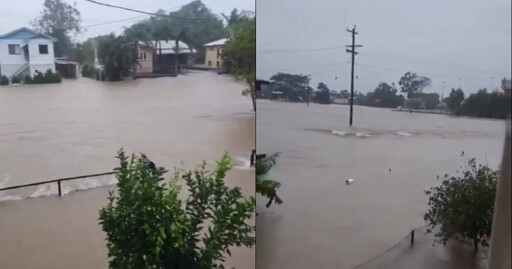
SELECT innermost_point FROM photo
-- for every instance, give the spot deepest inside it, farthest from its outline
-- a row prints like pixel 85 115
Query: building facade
pixel 213 54
pixel 25 51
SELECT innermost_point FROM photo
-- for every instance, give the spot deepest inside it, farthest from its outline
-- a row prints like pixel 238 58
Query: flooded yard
pixel 392 158
pixel 75 128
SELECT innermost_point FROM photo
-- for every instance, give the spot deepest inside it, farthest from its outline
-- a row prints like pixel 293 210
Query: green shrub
pixel 38 78
pixel 462 206
pixel 4 80
pixel 148 226
pixel 86 70
pixel 28 79
pixel 15 80
pixel 50 77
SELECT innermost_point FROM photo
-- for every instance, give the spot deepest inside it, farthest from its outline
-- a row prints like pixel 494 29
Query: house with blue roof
pixel 25 51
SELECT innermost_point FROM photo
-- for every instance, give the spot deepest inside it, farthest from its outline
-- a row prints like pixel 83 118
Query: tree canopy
pixel 60 20
pixel 413 84
pixel 239 55
pixel 323 96
pixel 293 86
pixel 462 206
pixel 454 100
pixel 194 22
pixel 384 95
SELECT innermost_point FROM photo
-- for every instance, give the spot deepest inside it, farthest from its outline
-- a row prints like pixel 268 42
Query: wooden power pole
pixel 352 50
pixel 307 92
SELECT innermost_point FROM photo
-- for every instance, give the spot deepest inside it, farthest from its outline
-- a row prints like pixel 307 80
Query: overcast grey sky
pixel 16 14
pixel 444 40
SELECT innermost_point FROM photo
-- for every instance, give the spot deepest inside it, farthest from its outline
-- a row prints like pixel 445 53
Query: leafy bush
pixel 4 80
pixel 462 206
pixel 265 186
pixel 86 70
pixel 38 78
pixel 50 77
pixel 15 80
pixel 28 79
pixel 148 226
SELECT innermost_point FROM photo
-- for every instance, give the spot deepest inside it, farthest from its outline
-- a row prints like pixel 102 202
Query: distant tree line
pixel 482 104
pixel 409 95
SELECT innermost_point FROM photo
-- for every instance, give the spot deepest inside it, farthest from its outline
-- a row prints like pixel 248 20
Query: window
pixel 218 53
pixel 145 56
pixel 43 49
pixel 209 63
pixel 218 64
pixel 14 49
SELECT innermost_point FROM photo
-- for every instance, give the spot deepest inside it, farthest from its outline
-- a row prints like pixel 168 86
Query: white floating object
pixel 349 181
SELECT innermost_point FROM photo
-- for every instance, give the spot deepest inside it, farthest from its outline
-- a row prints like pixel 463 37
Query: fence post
pixel 60 189
pixel 412 238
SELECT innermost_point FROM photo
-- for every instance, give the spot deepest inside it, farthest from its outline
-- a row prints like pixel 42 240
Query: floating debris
pixel 349 181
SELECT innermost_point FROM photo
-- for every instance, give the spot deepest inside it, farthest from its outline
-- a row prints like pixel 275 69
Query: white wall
pixel 41 62
pixel 11 63
pixel 146 66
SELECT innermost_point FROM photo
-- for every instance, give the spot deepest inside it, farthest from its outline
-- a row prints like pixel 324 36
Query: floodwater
pixel 76 128
pixel 392 158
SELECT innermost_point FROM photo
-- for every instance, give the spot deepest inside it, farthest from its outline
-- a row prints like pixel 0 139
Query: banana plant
pixel 264 185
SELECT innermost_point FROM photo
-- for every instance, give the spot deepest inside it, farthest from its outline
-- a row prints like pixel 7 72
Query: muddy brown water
pixel 76 128
pixel 392 157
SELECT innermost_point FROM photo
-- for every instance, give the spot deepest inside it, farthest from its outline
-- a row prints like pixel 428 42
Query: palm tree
pixel 265 186
pixel 234 17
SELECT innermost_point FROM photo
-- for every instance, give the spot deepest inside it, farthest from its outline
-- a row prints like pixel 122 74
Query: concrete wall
pixel 212 56
pixel 145 65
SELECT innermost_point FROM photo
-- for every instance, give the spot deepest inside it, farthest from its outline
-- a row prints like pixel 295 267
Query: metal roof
pixel 168 46
pixel 219 42
pixel 25 34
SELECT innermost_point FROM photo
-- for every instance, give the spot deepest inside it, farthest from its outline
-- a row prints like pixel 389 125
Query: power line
pixel 146 13
pixel 297 50
pixel 127 19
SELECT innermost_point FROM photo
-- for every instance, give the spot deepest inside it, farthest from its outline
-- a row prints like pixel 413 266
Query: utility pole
pixel 459 82
pixel 352 50
pixel 442 92
pixel 492 83
pixel 307 92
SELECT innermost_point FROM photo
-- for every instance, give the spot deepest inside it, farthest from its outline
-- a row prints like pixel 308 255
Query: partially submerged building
pixel 213 54
pixel 163 57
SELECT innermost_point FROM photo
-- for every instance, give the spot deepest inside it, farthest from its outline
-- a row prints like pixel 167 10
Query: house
pixel 25 51
pixel 163 57
pixel 213 54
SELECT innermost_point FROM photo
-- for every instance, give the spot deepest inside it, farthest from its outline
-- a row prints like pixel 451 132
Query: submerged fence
pixel 58 186
pixel 419 251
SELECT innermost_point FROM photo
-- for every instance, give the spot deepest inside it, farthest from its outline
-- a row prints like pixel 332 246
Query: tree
pixel 454 100
pixel 265 186
pixel 430 100
pixel 59 20
pixel 293 86
pixel 323 95
pixel 239 55
pixel 486 105
pixel 234 17
pixel 384 95
pixel 149 226
pixel 412 84
pixel 462 206
pixel 117 55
